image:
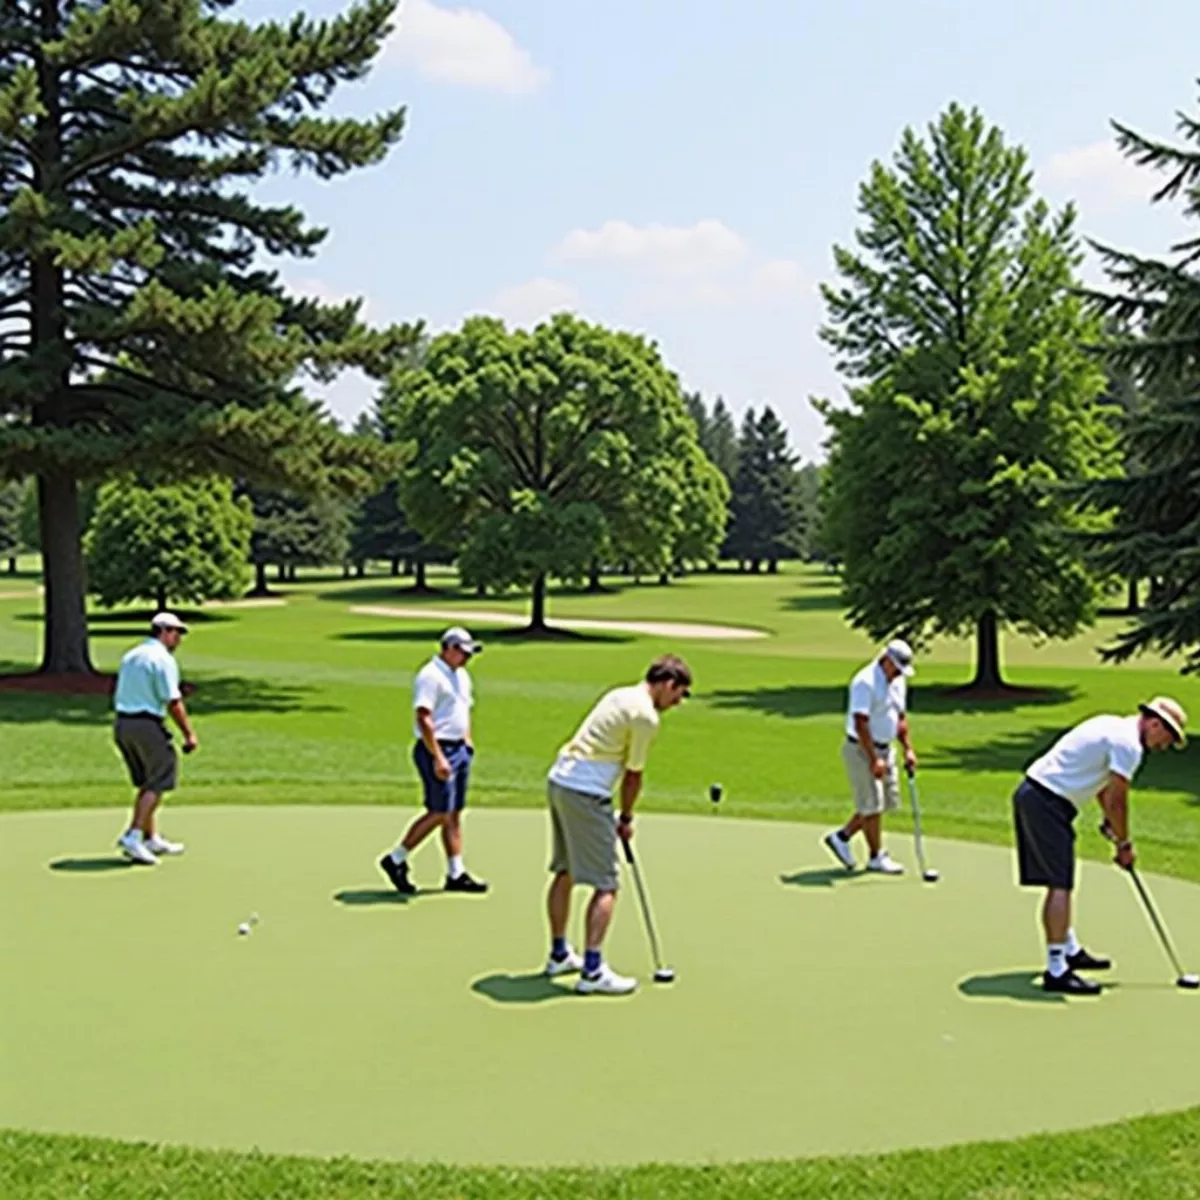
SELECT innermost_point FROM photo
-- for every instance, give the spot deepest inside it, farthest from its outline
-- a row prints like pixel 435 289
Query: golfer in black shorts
pixel 1097 758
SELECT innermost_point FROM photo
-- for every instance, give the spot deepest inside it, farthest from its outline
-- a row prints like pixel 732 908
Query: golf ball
pixel 244 928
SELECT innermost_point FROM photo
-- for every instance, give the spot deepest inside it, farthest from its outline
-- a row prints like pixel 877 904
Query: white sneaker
pixel 134 849
pixel 159 845
pixel 884 864
pixel 606 982
pixel 840 849
pixel 564 966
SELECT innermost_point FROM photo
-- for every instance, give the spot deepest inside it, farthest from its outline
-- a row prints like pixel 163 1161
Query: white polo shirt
pixel 1078 765
pixel 447 694
pixel 873 696
pixel 148 680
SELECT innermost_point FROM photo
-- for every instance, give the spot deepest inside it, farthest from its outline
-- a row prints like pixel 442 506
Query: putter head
pixel 931 876
pixel 715 792
pixel 664 975
pixel 1191 982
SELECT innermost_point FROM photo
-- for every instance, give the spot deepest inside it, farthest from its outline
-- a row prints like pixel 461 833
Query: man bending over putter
pixel 878 715
pixel 609 749
pixel 147 690
pixel 1097 758
pixel 444 750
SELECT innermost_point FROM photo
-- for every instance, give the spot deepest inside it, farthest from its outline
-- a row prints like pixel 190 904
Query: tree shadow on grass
pixel 1009 985
pixel 134 623
pixel 823 601
pixel 508 636
pixel 399 592
pixel 100 865
pixel 206 697
pixel 520 989
pixel 825 699
pixel 1013 752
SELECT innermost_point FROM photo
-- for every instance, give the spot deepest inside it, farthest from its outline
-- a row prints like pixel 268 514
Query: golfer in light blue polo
pixel 147 691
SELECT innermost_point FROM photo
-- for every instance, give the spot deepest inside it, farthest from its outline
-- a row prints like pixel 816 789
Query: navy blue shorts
pixel 445 795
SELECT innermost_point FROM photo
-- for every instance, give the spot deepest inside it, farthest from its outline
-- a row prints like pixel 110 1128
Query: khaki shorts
pixel 584 838
pixel 871 796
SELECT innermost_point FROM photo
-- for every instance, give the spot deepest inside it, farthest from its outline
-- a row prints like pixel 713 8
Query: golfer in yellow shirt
pixel 608 751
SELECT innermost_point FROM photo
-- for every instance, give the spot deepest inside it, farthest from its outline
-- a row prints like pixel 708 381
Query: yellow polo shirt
pixel 615 737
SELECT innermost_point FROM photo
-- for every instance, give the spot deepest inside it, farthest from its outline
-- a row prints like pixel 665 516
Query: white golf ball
pixel 243 928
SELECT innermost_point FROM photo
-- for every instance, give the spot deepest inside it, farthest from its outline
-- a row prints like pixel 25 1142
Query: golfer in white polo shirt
pixel 1098 758
pixel 878 714
pixel 444 751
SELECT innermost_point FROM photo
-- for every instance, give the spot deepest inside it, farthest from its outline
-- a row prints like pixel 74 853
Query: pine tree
pixel 295 531
pixel 766 505
pixel 137 324
pixel 722 445
pixel 1156 532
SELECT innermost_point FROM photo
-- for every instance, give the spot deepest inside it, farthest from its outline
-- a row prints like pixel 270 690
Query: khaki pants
pixel 871 796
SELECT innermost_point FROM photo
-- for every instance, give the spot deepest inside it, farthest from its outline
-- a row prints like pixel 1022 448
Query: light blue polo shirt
pixel 148 680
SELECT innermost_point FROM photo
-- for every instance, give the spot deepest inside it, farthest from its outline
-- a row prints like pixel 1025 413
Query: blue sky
pixel 683 168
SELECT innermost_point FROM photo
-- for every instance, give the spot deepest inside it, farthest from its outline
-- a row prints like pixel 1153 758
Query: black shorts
pixel 148 752
pixel 1045 825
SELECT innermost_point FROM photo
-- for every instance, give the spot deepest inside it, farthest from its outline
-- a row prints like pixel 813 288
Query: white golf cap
pixel 458 636
pixel 1171 714
pixel 900 652
pixel 167 620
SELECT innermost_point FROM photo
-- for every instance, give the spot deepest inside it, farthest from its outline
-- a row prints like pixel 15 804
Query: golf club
pixel 662 974
pixel 1182 978
pixel 928 874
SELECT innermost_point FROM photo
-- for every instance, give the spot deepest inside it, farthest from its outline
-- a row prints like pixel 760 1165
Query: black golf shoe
pixel 1069 984
pixel 464 883
pixel 1081 960
pixel 398 874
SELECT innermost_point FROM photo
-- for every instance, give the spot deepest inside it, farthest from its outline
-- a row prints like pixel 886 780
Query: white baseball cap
pixel 167 620
pixel 458 636
pixel 900 652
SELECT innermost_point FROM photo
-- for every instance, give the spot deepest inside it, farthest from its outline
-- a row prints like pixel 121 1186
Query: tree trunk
pixel 65 645
pixel 345 570
pixel 281 572
pixel 481 590
pixel 987 653
pixel 772 566
pixel 160 597
pixel 408 566
pixel 755 566
pixel 12 565
pixel 664 578
pixel 291 572
pixel 713 567
pixel 419 584
pixel 594 584
pixel 395 568
pixel 537 613
pixel 260 579
pixel 1135 603
pixel 360 569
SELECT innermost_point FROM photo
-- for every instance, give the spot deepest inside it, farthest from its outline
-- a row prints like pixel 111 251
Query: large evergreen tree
pixel 137 324
pixel 767 514
pixel 11 496
pixel 973 398
pixel 1157 527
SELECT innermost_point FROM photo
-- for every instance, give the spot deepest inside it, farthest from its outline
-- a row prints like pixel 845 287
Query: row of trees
pixel 1013 445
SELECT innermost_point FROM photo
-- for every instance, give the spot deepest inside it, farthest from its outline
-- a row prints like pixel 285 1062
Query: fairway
pixel 353 1023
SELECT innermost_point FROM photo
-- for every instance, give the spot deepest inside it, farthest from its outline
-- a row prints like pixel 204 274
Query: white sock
pixel 1056 959
pixel 1073 946
pixel 454 866
pixel 399 855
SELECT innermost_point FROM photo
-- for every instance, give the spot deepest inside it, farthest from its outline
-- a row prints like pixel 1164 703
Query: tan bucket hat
pixel 1171 714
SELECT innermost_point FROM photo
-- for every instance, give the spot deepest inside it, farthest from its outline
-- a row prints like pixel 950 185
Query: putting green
pixel 814 1013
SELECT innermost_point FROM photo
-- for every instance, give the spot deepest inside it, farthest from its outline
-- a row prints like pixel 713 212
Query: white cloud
pixel 777 275
pixel 1101 171
pixel 462 46
pixel 705 246
pixel 528 303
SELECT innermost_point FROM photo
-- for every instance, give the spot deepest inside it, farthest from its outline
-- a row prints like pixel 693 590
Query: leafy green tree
pixel 809 502
pixel 1156 532
pixel 974 399
pixel 535 445
pixel 170 543
pixel 137 322
pixel 10 524
pixel 767 514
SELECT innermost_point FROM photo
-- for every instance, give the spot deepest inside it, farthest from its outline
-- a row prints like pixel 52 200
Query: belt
pixel 452 743
pixel 878 745
pixel 140 716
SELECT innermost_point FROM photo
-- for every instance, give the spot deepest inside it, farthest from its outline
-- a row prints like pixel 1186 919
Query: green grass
pixel 309 704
